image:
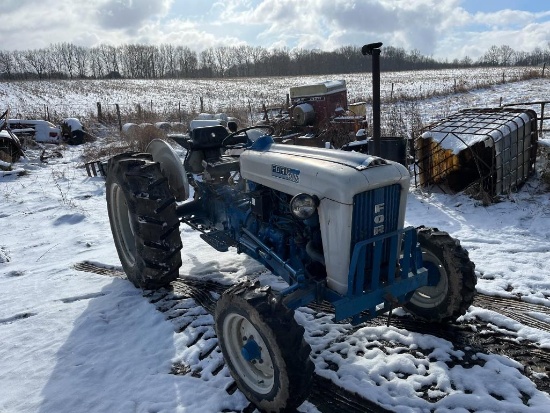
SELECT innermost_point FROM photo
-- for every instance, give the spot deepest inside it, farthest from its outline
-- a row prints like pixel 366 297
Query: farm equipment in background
pixel 10 146
pixel 318 115
pixel 329 222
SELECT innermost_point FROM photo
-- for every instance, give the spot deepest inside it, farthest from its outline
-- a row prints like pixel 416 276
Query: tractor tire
pixel 144 223
pixel 448 263
pixel 264 348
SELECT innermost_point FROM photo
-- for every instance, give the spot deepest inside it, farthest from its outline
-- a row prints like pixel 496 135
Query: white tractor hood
pixel 327 173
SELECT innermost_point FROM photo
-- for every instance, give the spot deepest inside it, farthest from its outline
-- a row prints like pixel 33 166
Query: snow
pixel 73 124
pixel 80 98
pixel 75 341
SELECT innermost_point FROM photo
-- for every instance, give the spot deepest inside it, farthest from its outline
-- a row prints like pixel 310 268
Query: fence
pixel 540 114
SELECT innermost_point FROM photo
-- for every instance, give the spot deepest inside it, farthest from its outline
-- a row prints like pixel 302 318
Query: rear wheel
pixel 144 223
pixel 452 278
pixel 264 348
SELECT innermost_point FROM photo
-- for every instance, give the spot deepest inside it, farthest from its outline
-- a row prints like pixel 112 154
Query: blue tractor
pixel 330 223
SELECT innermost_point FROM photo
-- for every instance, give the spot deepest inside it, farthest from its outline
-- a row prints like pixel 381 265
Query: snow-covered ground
pixel 74 341
pixel 79 98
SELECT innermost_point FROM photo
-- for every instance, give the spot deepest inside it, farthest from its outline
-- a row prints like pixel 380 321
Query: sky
pixel 76 341
pixel 443 29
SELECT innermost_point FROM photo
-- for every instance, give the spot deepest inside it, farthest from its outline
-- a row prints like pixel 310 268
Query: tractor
pixel 331 223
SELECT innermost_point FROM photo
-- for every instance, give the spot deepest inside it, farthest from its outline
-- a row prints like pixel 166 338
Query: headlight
pixel 303 206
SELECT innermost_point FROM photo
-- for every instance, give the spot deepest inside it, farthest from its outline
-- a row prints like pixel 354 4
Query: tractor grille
pixel 375 213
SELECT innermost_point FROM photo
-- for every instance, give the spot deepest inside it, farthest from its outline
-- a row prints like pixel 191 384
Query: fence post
pixel 202 105
pixel 179 111
pixel 543 68
pixel 118 116
pixel 99 114
pixel 541 116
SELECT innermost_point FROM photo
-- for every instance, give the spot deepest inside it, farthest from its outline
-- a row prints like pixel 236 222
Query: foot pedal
pixel 219 240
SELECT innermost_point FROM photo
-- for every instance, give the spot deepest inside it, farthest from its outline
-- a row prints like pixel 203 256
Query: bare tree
pixel 7 64
pixel 168 53
pixel 96 63
pixel 207 64
pixel 82 56
pixel 258 54
pixel 109 56
pixel 186 61
pixel 146 61
pixel 491 56
pixel 224 58
pixel 20 63
pixel 66 54
pixel 466 61
pixel 155 63
pixel 507 55
pixel 37 60
pixel 129 60
pixel 242 60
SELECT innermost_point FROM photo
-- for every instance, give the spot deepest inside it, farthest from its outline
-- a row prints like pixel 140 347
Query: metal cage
pixel 495 148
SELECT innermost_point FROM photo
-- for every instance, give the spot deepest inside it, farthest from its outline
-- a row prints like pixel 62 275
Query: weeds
pixel 544 165
pixel 63 185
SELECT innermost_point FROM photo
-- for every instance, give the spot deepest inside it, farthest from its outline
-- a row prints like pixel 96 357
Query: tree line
pixel 137 61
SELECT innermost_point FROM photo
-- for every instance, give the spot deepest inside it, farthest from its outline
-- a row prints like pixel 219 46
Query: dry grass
pixel 114 144
pixel 143 131
pixel 543 165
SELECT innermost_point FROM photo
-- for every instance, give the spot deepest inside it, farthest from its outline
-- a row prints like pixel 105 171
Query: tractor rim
pixel 123 224
pixel 431 296
pixel 248 353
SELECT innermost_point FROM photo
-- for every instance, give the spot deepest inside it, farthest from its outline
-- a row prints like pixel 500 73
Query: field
pixel 175 100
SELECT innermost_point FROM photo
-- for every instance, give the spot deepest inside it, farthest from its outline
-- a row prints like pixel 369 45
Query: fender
pixel 171 166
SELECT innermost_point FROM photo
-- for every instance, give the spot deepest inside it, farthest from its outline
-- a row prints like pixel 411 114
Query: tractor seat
pixel 205 146
pixel 207 137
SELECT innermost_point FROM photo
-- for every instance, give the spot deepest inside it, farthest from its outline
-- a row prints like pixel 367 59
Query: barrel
pixel 394 149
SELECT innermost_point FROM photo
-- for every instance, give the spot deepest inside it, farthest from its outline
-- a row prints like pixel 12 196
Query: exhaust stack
pixel 373 49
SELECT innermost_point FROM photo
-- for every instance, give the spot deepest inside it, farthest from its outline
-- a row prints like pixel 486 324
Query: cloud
pixel 441 28
pixel 10 6
pixel 185 33
pixel 507 19
pixel 318 23
pixel 130 14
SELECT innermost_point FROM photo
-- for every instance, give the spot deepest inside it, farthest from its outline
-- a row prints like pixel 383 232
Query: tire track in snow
pixel 191 302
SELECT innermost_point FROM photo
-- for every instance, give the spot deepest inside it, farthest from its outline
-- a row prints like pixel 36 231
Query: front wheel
pixel 451 275
pixel 263 348
pixel 144 223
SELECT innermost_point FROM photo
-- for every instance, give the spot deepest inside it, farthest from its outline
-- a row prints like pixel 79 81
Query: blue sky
pixel 439 28
pixel 496 5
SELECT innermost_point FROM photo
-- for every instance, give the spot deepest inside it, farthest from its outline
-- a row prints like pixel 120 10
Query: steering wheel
pixel 249 142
